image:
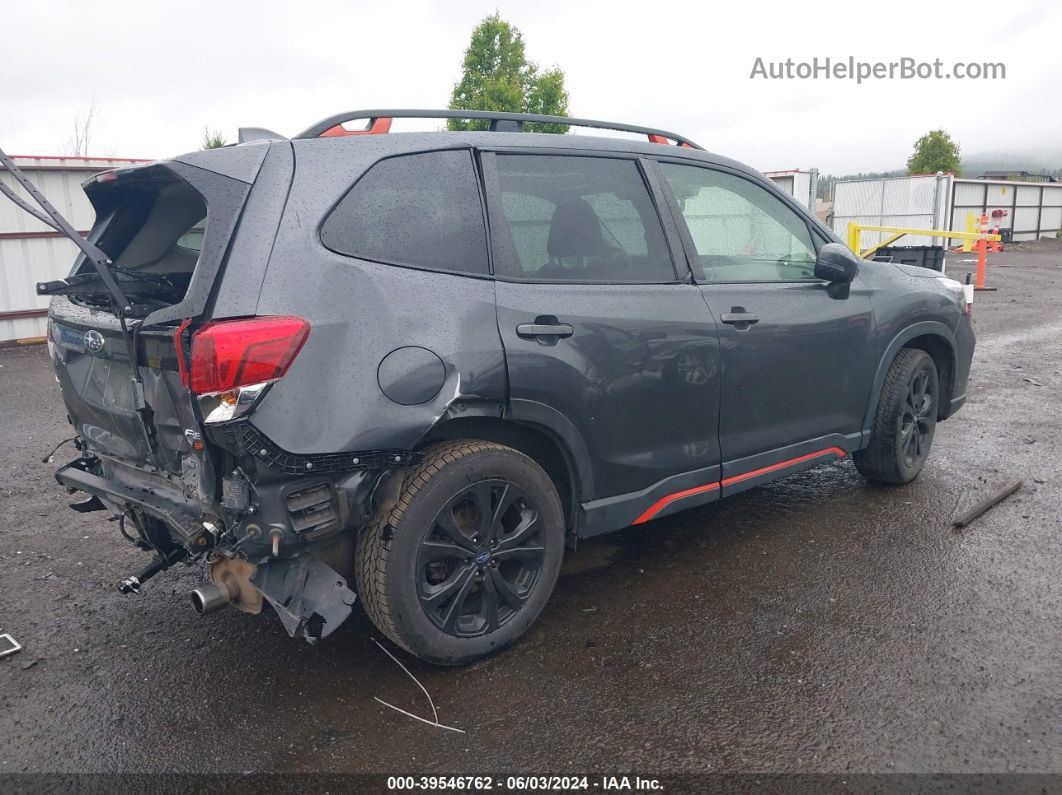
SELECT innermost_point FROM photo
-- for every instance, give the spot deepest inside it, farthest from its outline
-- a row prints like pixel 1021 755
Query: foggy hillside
pixel 972 166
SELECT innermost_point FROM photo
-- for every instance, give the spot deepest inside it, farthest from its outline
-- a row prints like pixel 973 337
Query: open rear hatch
pixel 116 326
pixel 120 376
pixel 120 324
pixel 151 224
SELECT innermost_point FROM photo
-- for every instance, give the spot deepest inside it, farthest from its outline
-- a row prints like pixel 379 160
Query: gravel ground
pixel 817 624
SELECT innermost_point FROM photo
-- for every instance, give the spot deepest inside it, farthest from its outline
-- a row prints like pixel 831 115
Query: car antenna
pixel 54 220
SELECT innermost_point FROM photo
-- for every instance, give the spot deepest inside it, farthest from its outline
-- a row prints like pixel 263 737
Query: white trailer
pixel 801 185
pixel 920 202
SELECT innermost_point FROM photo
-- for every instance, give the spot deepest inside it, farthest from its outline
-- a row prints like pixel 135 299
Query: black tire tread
pixel 374 540
pixel 879 461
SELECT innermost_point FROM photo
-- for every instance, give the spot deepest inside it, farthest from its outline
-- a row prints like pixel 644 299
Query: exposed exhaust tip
pixel 210 597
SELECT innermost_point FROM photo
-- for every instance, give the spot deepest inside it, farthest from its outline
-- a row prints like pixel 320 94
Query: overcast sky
pixel 162 71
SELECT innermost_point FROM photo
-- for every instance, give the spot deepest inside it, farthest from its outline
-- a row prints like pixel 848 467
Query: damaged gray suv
pixel 410 370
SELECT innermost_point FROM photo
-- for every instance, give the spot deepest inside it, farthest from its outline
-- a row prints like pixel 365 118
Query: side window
pixel 418 210
pixel 580 219
pixel 192 239
pixel 741 231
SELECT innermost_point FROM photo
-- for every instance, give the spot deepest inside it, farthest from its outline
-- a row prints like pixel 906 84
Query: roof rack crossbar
pixel 494 117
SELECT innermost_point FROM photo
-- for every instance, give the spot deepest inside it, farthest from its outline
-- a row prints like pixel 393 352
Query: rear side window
pixel 580 219
pixel 421 211
pixel 192 240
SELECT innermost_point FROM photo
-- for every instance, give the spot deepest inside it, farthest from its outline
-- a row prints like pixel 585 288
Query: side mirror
pixel 836 264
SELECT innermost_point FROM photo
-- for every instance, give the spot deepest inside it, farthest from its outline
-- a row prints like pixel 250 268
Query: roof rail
pixel 500 121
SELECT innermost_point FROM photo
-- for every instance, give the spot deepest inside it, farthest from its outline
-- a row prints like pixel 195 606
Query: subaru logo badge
pixel 93 341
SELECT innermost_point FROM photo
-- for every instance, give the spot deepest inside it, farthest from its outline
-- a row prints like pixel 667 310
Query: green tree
pixel 935 151
pixel 213 139
pixel 496 75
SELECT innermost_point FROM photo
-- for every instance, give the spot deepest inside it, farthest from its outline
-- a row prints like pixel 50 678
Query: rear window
pixel 420 211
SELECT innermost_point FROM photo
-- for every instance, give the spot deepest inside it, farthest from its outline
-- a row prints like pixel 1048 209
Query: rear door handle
pixel 745 319
pixel 531 330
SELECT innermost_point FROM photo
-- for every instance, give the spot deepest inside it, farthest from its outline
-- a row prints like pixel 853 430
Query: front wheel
pixel 905 420
pixel 465 560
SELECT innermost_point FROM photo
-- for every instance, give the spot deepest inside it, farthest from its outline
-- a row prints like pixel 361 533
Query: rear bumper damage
pixel 291 545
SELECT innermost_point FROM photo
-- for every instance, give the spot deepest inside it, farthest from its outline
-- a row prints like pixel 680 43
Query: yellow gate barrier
pixel 896 232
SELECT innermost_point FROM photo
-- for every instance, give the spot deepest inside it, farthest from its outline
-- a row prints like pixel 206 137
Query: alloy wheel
pixel 480 559
pixel 915 420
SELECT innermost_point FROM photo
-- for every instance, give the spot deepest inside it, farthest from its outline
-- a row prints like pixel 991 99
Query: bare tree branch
pixel 78 144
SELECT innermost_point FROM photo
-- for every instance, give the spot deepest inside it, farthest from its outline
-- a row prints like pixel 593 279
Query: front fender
pixel 921 329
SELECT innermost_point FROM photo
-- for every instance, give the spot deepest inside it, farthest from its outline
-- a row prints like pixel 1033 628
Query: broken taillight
pixel 233 353
pixel 233 361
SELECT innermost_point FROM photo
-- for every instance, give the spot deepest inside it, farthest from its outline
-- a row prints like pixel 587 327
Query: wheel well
pixel 537 444
pixel 944 358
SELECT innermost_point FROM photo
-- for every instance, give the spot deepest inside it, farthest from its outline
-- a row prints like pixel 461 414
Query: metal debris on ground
pixel 990 501
pixel 431 701
pixel 12 646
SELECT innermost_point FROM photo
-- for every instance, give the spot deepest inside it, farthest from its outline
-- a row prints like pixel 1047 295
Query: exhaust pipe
pixel 213 596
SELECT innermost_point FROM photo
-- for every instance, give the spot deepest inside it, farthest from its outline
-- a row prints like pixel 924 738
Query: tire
pixel 434 547
pixel 905 421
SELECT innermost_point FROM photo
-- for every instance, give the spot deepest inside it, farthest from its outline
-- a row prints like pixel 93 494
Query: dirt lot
pixel 817 624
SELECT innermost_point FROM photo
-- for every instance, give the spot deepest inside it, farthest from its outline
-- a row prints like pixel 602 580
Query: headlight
pixel 963 293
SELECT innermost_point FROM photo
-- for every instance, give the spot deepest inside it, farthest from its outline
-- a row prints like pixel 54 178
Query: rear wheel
pixel 905 421
pixel 465 560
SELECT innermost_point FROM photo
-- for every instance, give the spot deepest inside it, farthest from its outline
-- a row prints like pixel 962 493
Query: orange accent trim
pixel 659 139
pixel 663 502
pixel 378 126
pixel 660 504
pixel 783 464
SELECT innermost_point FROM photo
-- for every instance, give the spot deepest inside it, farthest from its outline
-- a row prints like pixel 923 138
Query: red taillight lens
pixel 234 353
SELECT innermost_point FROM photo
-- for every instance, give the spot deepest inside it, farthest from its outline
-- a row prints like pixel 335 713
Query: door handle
pixel 531 330
pixel 741 318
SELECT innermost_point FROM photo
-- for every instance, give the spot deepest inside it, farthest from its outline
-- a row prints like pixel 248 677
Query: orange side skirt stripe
pixel 660 504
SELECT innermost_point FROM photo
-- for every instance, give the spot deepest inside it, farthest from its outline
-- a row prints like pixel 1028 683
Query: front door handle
pixel 739 318
pixel 531 330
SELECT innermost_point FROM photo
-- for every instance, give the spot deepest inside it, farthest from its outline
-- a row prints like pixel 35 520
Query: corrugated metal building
pixel 1031 209
pixel 31 252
